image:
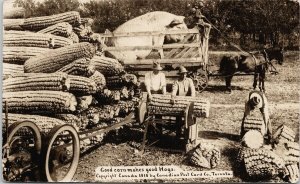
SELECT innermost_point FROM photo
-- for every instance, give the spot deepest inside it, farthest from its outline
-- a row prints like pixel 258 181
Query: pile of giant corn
pixel 262 159
pixel 53 75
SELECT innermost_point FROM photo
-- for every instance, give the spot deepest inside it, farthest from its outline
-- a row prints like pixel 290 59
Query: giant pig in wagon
pixel 157 21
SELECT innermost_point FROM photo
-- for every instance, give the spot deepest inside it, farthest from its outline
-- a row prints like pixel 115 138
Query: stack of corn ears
pixel 30 39
pixel 161 104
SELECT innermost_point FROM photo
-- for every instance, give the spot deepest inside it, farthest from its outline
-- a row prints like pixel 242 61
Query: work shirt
pixel 184 88
pixel 156 82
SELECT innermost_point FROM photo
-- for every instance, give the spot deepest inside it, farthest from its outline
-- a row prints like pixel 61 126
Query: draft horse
pixel 257 63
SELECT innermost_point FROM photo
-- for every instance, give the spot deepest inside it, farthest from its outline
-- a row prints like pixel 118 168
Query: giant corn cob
pixel 262 163
pixel 284 134
pixel 40 101
pixel 82 85
pixel 56 59
pixel 38 23
pixel 30 39
pixel 69 119
pixel 289 151
pixel 43 122
pixel 18 55
pixel 116 82
pixel 253 139
pixel 252 123
pixel 36 82
pixel 60 29
pixel 13 24
pixel 206 155
pixel 292 173
pixel 108 96
pixel 84 102
pixel 99 80
pixel 161 104
pixel 11 69
pixel 74 37
pixel 81 67
pixel 107 66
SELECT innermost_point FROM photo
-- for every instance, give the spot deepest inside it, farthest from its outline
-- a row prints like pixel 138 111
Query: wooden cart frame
pixel 191 52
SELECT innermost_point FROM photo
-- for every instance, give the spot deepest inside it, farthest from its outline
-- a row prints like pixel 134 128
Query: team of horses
pixel 258 63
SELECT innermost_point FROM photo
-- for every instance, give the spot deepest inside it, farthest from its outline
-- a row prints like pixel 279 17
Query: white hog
pixel 149 22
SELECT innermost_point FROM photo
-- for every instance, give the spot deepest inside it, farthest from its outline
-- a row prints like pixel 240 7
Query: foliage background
pixel 249 24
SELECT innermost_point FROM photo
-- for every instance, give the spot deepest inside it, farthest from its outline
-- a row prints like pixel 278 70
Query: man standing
pixel 182 87
pixel 257 99
pixel 155 81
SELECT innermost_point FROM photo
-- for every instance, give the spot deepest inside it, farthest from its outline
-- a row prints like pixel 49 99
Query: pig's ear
pixel 174 22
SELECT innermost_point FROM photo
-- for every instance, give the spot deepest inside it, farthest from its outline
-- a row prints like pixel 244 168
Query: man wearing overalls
pixel 257 99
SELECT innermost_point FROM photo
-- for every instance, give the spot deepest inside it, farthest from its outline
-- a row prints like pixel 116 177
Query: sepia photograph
pixel 151 91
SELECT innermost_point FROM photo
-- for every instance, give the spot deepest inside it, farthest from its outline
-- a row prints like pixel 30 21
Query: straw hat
pixel 156 66
pixel 182 69
pixel 255 100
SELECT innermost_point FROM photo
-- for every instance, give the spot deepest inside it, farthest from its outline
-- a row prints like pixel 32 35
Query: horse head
pixel 275 54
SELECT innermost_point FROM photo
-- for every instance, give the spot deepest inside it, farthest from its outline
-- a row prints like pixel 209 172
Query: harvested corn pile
pixel 65 82
pixel 263 162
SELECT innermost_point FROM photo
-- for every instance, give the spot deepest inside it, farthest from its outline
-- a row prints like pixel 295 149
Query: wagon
pixel 30 153
pixel 191 52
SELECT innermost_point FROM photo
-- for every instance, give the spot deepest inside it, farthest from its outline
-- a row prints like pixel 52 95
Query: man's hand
pixel 150 97
pixel 172 100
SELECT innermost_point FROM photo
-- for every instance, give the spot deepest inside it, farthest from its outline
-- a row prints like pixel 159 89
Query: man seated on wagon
pixel 155 81
pixel 182 87
pixel 258 100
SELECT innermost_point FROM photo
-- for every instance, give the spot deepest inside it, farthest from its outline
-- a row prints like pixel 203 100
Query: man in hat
pixel 155 81
pixel 182 87
pixel 258 100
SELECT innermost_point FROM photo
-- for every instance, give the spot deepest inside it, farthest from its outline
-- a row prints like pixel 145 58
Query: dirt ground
pixel 221 128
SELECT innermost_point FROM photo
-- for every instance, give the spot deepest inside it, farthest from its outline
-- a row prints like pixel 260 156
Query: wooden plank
pixel 173 73
pixel 172 52
pixel 179 55
pixel 167 46
pixel 189 52
pixel 153 33
pixel 164 61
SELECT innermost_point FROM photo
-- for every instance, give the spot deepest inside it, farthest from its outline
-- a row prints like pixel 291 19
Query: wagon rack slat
pixel 191 52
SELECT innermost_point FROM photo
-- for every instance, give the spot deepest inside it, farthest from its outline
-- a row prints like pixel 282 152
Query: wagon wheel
pixel 60 154
pixel 23 143
pixel 200 79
